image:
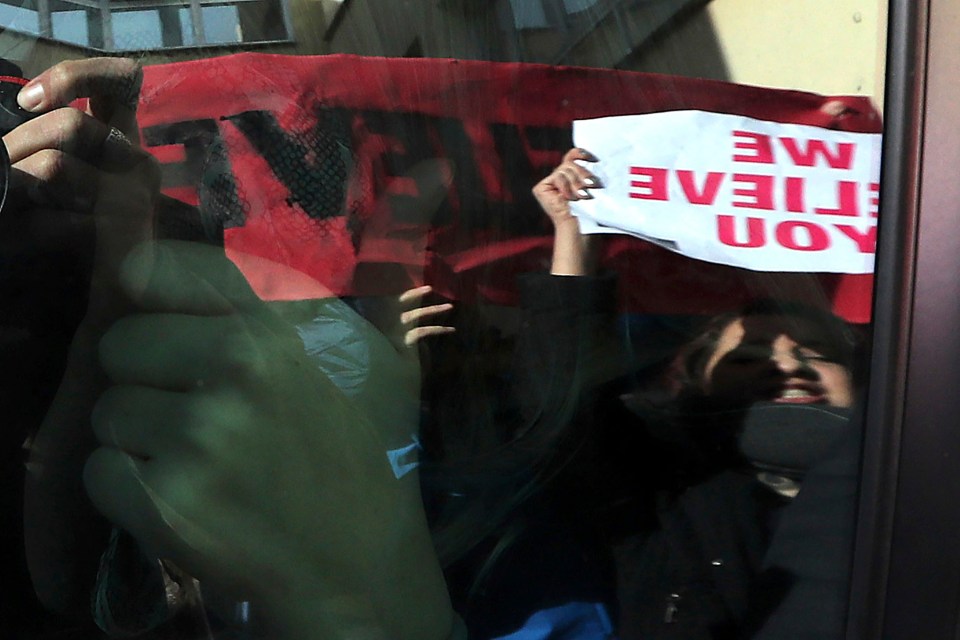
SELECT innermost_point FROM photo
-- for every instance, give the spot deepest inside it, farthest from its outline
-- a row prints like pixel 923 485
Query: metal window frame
pixel 576 31
pixel 108 7
pixel 333 13
pixel 906 570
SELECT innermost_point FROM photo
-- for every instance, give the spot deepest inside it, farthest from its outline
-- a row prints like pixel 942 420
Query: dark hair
pixel 834 336
pixel 484 485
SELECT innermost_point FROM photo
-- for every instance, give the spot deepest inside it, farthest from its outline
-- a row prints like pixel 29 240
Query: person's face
pixel 778 359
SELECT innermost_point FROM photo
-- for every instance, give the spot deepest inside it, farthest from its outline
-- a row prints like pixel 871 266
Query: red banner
pixel 370 175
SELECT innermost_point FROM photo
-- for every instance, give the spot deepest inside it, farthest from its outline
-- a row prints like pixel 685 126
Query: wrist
pixel 358 617
pixel 569 225
pixel 458 629
pixel 395 593
pixel 574 254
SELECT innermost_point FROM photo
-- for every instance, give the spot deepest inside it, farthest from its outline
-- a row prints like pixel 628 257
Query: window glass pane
pixel 137 30
pixel 186 26
pixel 555 312
pixel 528 15
pixel 71 26
pixel 576 6
pixel 19 18
pixel 263 21
pixel 221 24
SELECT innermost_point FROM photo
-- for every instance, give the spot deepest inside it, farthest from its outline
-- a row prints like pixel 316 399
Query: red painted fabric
pixel 370 175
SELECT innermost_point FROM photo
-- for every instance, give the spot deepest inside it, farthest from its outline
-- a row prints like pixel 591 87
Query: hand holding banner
pixel 267 140
pixel 734 190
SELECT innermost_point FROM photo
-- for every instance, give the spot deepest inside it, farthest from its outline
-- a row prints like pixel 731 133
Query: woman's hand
pixel 569 181
pixel 224 448
pixel 573 253
pixel 413 315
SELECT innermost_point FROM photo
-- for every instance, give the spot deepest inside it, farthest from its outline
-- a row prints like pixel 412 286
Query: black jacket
pixel 710 556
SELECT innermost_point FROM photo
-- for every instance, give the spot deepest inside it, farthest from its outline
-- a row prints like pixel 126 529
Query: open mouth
pixel 799 395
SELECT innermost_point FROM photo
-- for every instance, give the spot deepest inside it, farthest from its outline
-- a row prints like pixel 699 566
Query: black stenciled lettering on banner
pixel 522 216
pixel 196 136
pixel 336 124
pixel 313 170
pixel 558 139
pixel 419 135
pixel 469 189
pixel 223 204
pixel 413 133
pixel 206 168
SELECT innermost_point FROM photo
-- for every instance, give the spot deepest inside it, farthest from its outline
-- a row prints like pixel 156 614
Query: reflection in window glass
pixel 149 25
pixel 576 6
pixel 134 30
pixel 529 15
pixel 638 432
pixel 331 8
pixel 221 24
pixel 186 27
pixel 71 26
pixel 19 18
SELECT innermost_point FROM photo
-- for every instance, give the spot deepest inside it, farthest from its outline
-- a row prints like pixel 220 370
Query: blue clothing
pixel 573 621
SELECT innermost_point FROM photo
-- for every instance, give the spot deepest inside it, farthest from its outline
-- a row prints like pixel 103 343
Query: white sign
pixel 734 190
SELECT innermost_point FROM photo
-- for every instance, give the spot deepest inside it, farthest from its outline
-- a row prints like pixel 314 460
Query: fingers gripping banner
pixel 363 176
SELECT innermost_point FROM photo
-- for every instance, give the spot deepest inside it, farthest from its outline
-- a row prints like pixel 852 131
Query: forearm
pixel 359 619
pixel 574 254
pixel 565 333
pixel 394 590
